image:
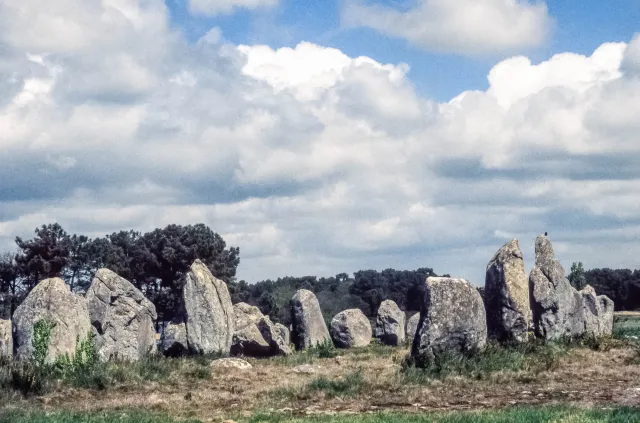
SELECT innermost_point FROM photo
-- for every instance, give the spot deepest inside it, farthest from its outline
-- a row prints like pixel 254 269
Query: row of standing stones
pixel 454 317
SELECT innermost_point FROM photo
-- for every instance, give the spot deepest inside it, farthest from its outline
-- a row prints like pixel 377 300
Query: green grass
pixel 513 415
pixel 627 328
pixel 28 378
pixel 17 416
pixel 516 415
pixel 350 385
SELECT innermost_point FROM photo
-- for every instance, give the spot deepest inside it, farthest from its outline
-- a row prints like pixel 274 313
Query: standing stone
pixel 51 300
pixel 351 329
pixel 208 311
pixel 507 295
pixel 122 316
pixel 174 340
pixel 558 309
pixel 6 339
pixel 309 328
pixel 598 312
pixel 452 320
pixel 412 327
pixel 389 327
pixel 256 335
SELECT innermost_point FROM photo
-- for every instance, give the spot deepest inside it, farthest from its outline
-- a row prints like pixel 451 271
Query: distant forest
pixel 156 261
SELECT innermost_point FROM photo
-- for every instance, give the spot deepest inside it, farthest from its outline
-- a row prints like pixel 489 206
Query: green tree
pixel 577 276
pixel 44 256
pixel 11 291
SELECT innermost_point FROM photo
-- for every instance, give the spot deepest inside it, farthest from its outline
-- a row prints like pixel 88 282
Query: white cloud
pixel 217 7
pixel 472 27
pixel 308 159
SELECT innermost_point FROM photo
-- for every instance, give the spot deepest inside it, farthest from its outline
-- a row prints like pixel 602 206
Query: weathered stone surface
pixel 174 341
pixel 351 329
pixel 52 300
pixel 285 334
pixel 230 363
pixel 558 309
pixel 256 335
pixel 208 311
pixel 598 312
pixel 122 316
pixel 412 327
pixel 309 328
pixel 6 339
pixel 389 326
pixel 452 320
pixel 507 295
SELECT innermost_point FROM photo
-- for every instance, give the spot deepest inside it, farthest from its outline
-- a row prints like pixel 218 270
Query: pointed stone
pixel 309 328
pixel 390 322
pixel 507 295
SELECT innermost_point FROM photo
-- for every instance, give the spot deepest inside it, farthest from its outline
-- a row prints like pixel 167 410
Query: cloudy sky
pixel 328 136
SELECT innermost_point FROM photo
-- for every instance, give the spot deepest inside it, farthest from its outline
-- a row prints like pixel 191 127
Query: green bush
pixel 41 338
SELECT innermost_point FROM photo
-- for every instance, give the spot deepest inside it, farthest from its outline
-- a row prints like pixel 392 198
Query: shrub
pixel 40 342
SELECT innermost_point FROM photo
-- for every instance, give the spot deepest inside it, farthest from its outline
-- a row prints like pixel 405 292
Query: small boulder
pixel 51 300
pixel 174 340
pixel 122 316
pixel 412 327
pixel 309 327
pixel 230 363
pixel 256 335
pixel 351 329
pixel 452 320
pixel 6 339
pixel 506 295
pixel 208 311
pixel 389 326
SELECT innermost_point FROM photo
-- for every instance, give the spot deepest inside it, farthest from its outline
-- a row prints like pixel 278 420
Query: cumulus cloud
pixel 217 7
pixel 469 27
pixel 313 162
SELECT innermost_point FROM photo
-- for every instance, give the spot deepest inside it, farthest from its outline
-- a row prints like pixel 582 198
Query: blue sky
pixel 578 27
pixel 300 138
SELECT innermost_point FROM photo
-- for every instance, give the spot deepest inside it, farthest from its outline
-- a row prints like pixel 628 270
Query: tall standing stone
pixel 51 300
pixel 208 311
pixel 452 320
pixel 558 309
pixel 6 339
pixel 350 329
pixel 309 328
pixel 122 316
pixel 507 295
pixel 389 326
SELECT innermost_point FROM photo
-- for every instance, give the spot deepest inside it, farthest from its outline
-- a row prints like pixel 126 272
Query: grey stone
pixel 308 323
pixel 390 322
pixel 51 300
pixel 230 363
pixel 598 312
pixel 208 311
pixel 452 320
pixel 285 334
pixel 558 309
pixel 6 339
pixel 350 329
pixel 174 339
pixel 412 327
pixel 122 316
pixel 256 335
pixel 507 295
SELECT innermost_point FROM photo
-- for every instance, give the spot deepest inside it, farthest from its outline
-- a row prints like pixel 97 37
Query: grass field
pixel 536 382
pixel 516 415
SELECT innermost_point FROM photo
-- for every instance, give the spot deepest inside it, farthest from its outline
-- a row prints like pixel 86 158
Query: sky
pixel 330 136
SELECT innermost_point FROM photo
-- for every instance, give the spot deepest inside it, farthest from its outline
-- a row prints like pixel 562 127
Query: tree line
pixel 155 262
